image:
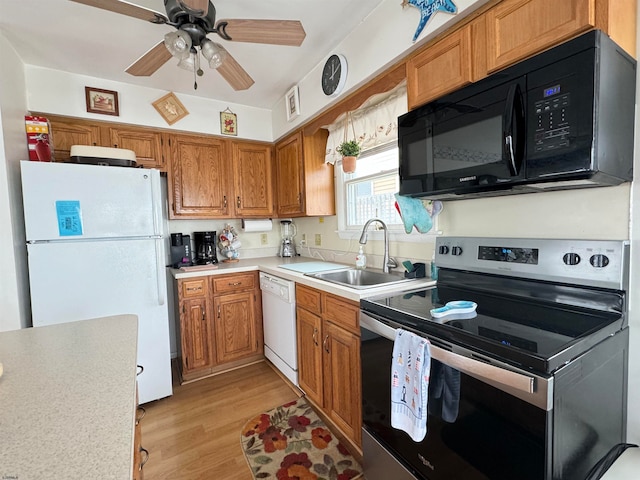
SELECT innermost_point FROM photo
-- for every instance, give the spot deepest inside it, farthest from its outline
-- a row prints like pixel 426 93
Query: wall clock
pixel 334 75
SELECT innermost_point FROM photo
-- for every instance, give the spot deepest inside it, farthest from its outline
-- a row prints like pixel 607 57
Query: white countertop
pixel 67 400
pixel 271 265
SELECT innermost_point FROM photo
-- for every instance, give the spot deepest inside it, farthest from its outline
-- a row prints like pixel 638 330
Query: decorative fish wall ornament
pixel 427 9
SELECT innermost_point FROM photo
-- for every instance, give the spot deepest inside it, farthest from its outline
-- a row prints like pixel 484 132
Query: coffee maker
pixel 180 250
pixel 205 248
pixel 288 231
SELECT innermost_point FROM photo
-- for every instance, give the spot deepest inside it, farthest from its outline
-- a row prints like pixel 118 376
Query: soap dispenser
pixel 361 260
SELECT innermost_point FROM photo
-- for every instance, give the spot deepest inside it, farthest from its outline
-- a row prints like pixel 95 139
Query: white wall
pixel 62 93
pixel 14 290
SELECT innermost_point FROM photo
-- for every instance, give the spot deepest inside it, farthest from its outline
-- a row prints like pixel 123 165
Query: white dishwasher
pixel 279 321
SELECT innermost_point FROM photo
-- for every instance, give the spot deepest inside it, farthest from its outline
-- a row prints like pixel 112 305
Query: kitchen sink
pixel 360 279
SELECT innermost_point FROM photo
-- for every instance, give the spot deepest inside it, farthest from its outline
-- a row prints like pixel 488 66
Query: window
pixel 370 189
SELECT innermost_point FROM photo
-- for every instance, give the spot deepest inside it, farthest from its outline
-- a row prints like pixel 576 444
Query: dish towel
pixel 410 367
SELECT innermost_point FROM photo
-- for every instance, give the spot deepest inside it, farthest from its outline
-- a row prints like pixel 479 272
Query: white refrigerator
pixel 96 247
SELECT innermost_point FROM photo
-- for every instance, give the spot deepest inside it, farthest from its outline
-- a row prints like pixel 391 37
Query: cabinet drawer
pixel 233 283
pixel 308 298
pixel 342 312
pixel 193 288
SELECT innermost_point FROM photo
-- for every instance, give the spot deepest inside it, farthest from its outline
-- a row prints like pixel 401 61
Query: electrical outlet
pixel 318 239
pixel 320 219
pixel 304 237
pixel 264 239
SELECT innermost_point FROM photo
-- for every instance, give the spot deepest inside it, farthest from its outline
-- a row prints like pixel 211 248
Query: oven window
pixel 493 435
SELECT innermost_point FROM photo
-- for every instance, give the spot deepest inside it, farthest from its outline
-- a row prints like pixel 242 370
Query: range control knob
pixel 456 250
pixel 599 260
pixel 443 250
pixel 571 258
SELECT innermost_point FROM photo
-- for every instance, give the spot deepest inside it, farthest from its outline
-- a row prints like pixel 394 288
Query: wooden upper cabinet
pixel 516 29
pixel 67 133
pixel 305 184
pixel 290 187
pixel 440 68
pixel 146 143
pixel 198 177
pixel 252 177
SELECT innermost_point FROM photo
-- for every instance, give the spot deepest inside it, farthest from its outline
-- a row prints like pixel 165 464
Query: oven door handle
pixel 470 366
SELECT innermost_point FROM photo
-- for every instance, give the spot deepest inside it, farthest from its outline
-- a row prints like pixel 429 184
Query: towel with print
pixel 410 369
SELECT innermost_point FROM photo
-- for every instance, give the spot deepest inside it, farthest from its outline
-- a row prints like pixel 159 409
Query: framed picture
pixel 292 102
pixel 170 108
pixel 228 123
pixel 101 101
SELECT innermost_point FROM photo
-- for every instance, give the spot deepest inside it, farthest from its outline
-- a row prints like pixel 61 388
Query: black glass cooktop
pixel 535 325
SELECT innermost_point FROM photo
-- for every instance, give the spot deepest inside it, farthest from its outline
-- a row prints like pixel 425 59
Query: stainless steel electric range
pixel 532 385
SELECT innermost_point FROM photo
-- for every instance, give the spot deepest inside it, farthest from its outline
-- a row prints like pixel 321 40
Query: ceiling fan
pixel 194 20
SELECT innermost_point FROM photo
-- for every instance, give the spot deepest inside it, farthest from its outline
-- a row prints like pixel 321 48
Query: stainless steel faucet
pixel 387 261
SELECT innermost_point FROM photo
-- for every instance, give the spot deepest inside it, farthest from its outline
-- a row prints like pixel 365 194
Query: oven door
pixel 496 428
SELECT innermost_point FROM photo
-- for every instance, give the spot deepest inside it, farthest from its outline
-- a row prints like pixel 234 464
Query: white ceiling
pixel 71 37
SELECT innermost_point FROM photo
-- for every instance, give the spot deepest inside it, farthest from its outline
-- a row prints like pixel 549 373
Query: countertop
pixel 68 400
pixel 271 265
pixel 625 467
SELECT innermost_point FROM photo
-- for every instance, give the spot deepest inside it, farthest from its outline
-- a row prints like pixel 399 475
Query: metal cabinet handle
pixel 141 413
pixel 234 284
pixel 224 201
pixel 315 336
pixel 325 344
pixel 238 203
pixel 203 317
pixel 146 457
pixel 218 311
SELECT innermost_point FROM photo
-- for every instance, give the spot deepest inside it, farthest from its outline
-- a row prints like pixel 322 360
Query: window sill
pixel 395 235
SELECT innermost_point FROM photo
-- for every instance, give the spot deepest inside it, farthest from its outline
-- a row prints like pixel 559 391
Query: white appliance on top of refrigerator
pixel 95 248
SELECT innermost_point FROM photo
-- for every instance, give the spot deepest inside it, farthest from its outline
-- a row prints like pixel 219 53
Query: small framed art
pixel 170 108
pixel 101 101
pixel 292 102
pixel 228 123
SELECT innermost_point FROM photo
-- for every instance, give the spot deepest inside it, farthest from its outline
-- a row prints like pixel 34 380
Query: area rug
pixel 290 442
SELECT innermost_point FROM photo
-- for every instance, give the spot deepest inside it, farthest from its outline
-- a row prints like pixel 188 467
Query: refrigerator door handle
pixel 156 204
pixel 159 271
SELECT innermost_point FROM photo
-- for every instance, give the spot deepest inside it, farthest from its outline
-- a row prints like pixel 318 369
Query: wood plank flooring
pixel 195 434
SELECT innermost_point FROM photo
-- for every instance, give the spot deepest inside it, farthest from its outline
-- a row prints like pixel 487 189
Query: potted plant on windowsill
pixel 349 151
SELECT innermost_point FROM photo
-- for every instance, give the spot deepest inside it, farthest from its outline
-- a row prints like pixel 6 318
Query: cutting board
pixel 313 267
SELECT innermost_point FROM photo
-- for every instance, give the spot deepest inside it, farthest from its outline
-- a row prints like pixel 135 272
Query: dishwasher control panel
pixel 280 287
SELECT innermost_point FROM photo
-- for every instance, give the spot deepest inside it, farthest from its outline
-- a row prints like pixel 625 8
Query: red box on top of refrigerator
pixel 39 138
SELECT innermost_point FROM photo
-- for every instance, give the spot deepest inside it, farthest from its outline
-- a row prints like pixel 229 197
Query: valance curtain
pixel 374 123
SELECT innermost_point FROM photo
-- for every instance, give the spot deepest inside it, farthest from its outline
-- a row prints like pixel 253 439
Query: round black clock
pixel 334 75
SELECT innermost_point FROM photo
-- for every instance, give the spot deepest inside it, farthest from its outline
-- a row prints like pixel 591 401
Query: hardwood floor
pixel 195 434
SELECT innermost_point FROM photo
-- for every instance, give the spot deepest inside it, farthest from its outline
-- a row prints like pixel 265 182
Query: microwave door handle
pixel 507 129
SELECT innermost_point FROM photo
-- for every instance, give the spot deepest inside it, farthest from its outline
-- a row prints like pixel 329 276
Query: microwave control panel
pixel 552 114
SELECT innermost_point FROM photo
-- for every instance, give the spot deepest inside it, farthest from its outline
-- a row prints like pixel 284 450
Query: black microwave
pixel 562 119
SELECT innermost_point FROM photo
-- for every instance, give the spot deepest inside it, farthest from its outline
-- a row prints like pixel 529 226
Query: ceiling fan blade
pixel 275 32
pixel 125 8
pixel 234 74
pixel 201 6
pixel 151 61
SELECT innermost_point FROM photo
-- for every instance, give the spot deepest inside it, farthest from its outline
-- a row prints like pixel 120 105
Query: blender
pixel 288 231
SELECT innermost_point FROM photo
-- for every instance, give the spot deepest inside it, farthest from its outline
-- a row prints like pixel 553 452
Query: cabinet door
pixel 310 354
pixel 195 335
pixel 516 29
pixel 252 180
pixel 65 134
pixel 342 379
pixel 146 143
pixel 235 326
pixel 289 174
pixel 440 69
pixel 199 178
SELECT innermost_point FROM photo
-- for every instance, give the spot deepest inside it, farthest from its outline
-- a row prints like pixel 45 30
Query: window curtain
pixel 374 123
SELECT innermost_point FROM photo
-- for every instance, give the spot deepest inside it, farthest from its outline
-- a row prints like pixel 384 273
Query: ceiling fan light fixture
pixel 188 62
pixel 178 43
pixel 213 52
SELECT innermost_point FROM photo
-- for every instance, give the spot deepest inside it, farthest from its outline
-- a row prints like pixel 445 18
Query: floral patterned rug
pixel 290 442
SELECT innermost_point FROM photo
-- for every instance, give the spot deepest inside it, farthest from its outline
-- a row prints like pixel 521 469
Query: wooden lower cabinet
pixel 140 454
pixel 220 323
pixel 329 357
